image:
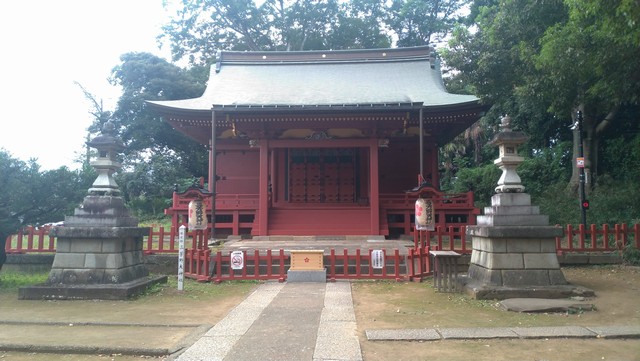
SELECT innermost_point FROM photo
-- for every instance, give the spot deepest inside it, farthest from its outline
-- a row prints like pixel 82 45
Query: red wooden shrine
pixel 322 143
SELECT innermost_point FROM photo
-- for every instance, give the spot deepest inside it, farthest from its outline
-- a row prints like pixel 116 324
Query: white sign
pixel 377 259
pixel 181 232
pixel 237 260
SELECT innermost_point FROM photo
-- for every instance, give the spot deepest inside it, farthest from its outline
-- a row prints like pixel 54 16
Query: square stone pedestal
pixel 307 266
pixel 514 253
pixel 95 263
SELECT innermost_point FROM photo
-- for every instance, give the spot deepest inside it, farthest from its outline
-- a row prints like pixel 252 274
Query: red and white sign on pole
pixel 580 162
pixel 237 260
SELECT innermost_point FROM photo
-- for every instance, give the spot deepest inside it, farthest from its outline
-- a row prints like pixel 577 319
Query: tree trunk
pixel 574 182
pixel 592 128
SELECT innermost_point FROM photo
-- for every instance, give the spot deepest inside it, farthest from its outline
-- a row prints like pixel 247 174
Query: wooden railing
pixel 264 265
pixel 604 239
pixel 203 265
pixel 574 239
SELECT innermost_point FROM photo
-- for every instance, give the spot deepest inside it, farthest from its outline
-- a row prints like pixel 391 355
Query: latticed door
pixel 322 175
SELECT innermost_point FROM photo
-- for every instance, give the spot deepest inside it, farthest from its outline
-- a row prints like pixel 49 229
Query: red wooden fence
pixel 202 265
pixel 605 239
pixel 264 265
pixel 574 240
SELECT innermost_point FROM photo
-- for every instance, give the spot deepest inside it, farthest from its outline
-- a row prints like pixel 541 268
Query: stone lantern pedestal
pixel 514 248
pixel 99 249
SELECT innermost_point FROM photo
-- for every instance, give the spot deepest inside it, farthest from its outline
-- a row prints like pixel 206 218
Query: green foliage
pixel 547 166
pixel 539 61
pixel 11 281
pixel 29 196
pixel 146 77
pixel 631 255
pixel 611 202
pixel 147 186
pixel 620 152
pixel 421 22
pixel 561 207
pixel 481 180
pixel 200 28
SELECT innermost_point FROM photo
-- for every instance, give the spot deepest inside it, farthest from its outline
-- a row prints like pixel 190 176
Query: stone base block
pixel 307 275
pixel 121 291
pixel 70 276
pixel 487 292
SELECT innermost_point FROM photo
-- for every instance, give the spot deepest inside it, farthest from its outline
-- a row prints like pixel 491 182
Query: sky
pixel 47 46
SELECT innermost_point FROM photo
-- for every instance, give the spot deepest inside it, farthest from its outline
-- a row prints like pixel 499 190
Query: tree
pixel 31 197
pixel 590 62
pixel 147 186
pixel 422 22
pixel 540 61
pixel 143 76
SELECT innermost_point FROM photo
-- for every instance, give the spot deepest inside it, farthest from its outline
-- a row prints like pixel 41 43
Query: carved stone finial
pixel 505 123
pixel 109 128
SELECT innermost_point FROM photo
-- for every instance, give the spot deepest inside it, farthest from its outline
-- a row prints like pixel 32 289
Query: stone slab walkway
pixel 292 321
pixel 438 334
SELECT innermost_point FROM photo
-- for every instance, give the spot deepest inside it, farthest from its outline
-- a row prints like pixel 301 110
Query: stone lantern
pixel 99 250
pixel 108 146
pixel 514 248
pixel 508 159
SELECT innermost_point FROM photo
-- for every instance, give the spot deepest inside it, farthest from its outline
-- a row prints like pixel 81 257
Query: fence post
pixel 332 265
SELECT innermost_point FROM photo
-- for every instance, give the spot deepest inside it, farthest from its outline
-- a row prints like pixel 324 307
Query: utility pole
pixel 580 162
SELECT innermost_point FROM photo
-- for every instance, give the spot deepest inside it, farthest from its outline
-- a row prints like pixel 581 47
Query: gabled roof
pixel 312 79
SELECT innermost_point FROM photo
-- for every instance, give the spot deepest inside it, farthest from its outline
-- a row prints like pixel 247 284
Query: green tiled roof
pixel 323 78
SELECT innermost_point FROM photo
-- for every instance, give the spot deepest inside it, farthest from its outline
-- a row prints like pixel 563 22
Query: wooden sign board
pixel 307 260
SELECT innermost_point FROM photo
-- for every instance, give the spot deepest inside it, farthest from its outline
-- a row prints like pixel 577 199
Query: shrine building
pixel 323 143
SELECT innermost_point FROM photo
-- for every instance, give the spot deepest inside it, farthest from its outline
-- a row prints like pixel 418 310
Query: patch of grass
pixel 631 256
pixel 195 290
pixel 11 281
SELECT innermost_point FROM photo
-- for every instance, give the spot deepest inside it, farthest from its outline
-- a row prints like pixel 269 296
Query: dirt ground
pixel 417 305
pixel 380 305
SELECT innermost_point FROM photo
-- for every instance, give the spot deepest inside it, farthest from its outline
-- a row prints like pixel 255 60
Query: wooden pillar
pixel 273 176
pixel 421 127
pixel 263 196
pixel 433 162
pixel 213 176
pixel 374 187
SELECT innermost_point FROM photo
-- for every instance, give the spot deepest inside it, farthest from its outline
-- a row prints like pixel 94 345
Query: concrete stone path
pixel 278 321
pixel 292 321
pixel 316 321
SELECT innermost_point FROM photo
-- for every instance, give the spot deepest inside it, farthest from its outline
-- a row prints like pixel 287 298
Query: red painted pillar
pixel 374 190
pixel 263 196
